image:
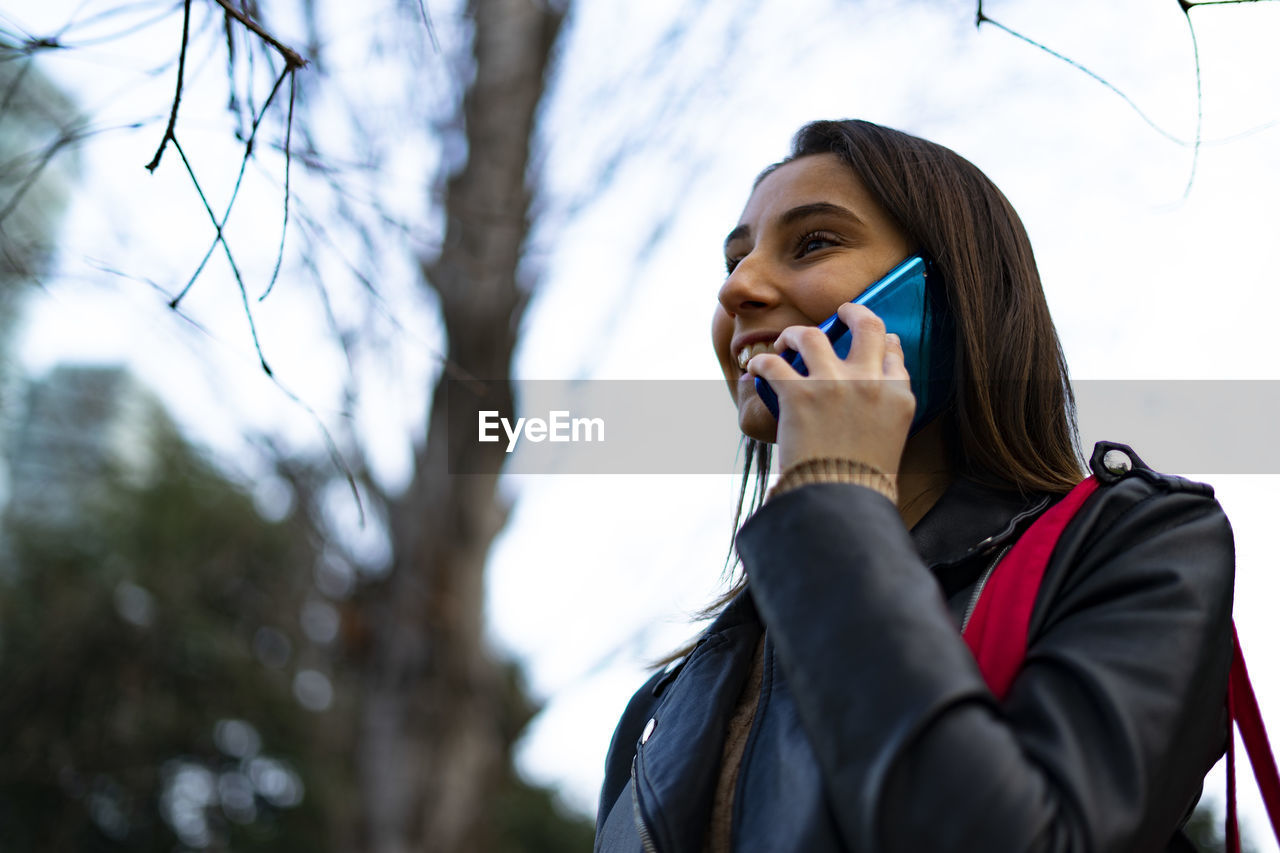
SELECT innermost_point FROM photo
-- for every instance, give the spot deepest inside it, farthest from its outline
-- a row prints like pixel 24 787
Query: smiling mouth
pixel 751 350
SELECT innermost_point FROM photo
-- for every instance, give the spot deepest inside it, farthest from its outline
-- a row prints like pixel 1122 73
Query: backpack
pixel 997 635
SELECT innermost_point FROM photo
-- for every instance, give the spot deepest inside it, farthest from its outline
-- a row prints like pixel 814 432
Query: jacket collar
pixel 741 610
pixel 970 519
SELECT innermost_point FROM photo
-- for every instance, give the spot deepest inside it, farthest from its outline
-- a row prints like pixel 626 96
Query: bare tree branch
pixel 226 248
pixel 219 225
pixel 983 18
pixel 177 94
pixel 129 30
pixel 1195 144
pixel 1195 52
pixel 284 224
pixel 1185 5
pixel 426 21
pixel 292 58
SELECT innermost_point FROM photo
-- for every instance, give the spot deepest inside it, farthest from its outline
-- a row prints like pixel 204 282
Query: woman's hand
pixel 859 407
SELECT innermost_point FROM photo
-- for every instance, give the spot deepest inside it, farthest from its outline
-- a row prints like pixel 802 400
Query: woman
pixel 833 704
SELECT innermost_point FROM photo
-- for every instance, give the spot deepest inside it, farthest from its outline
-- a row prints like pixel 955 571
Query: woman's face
pixel 811 237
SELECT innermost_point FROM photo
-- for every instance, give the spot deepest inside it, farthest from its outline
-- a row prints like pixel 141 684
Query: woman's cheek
pixel 721 341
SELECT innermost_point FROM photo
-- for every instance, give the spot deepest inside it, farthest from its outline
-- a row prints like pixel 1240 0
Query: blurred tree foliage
pixel 152 656
pixel 127 637
pixel 1205 829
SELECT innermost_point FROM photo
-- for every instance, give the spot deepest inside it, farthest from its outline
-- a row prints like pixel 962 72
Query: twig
pixel 335 455
pixel 235 191
pixel 226 248
pixel 103 266
pixel 251 67
pixel 284 225
pixel 119 34
pixel 349 395
pixel 234 103
pixel 1195 52
pixel 985 19
pixel 177 95
pixel 426 20
pixel 451 369
pixel 292 58
pixel 1186 6
pixel 29 46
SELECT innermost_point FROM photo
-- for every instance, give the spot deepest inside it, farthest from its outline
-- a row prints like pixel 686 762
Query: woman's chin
pixel 755 420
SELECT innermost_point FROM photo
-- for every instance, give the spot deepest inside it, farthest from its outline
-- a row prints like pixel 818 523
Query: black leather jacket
pixel 874 730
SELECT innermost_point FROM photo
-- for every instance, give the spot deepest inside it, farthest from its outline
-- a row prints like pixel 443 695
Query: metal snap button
pixel 648 730
pixel 1117 462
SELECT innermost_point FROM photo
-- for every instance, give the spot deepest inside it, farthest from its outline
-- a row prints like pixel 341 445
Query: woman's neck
pixel 924 474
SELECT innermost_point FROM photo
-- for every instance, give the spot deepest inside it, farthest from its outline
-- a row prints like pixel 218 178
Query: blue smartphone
pixel 902 300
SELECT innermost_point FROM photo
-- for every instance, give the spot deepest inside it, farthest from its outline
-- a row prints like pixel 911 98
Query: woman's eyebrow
pixel 804 211
pixel 797 213
pixel 740 231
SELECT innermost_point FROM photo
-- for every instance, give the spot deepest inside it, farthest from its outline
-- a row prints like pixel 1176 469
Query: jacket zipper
pixel 982 583
pixel 1010 527
pixel 646 840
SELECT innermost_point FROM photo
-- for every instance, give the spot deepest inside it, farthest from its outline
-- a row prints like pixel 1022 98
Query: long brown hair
pixel 1013 418
pixel 1011 423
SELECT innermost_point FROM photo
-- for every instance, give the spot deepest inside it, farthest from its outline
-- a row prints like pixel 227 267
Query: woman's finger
pixel 895 361
pixel 771 367
pixel 813 346
pixel 868 347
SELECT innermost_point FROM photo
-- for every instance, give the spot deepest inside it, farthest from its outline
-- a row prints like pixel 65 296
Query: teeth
pixel 746 353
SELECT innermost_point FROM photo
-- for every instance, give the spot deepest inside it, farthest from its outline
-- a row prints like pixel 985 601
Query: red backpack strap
pixel 997 636
pixel 997 630
pixel 1242 706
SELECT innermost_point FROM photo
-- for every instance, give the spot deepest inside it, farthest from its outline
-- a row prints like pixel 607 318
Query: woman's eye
pixel 814 242
pixel 729 264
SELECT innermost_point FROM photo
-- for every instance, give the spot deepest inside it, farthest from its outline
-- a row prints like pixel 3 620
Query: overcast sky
pixel 596 575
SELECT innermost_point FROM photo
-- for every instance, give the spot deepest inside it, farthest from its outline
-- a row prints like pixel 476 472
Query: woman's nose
pixel 748 288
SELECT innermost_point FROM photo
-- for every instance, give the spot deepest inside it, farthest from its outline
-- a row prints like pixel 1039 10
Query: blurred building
pixel 39 126
pixel 38 170
pixel 78 431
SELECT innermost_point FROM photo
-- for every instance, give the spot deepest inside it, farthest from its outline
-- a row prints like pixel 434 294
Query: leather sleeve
pixel 1104 739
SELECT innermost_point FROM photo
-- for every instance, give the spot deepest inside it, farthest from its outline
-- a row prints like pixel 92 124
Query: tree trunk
pixel 433 741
